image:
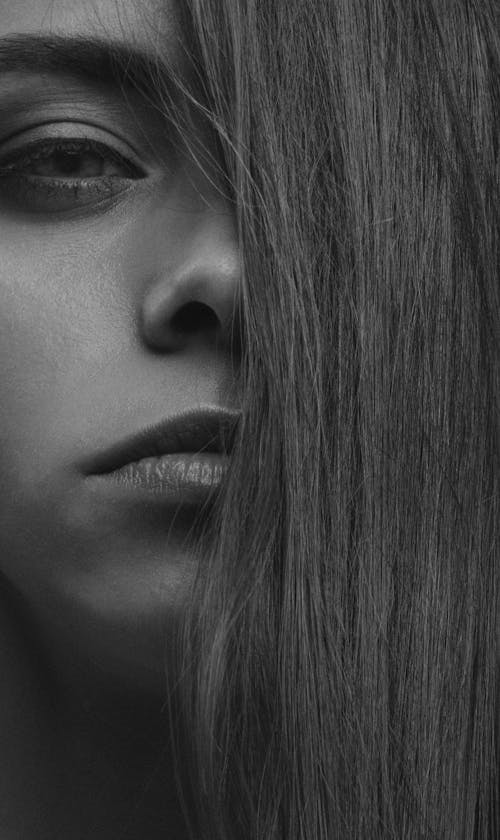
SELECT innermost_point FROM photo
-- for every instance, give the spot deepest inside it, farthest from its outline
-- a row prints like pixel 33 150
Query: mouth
pixel 182 459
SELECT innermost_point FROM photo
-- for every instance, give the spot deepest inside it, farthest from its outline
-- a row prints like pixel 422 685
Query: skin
pixel 92 584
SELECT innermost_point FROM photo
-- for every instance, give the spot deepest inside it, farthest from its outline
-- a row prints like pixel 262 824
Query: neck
pixel 79 759
pixel 116 770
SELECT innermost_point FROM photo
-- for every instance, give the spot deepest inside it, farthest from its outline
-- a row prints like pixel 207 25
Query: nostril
pixel 194 317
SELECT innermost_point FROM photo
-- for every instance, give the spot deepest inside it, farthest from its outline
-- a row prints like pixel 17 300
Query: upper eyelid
pixel 79 131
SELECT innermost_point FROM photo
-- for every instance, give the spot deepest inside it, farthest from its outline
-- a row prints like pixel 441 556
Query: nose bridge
pixel 211 249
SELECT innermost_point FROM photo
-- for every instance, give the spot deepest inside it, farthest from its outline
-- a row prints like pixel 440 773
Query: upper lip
pixel 206 429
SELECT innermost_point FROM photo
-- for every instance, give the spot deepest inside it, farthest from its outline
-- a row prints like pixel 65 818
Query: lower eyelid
pixel 35 195
pixel 67 184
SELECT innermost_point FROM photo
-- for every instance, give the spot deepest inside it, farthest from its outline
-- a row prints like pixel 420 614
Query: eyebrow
pixel 107 62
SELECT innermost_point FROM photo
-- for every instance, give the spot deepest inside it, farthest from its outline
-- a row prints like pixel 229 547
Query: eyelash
pixel 22 185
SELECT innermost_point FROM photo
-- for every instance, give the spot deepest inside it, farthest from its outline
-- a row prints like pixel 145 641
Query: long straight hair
pixel 337 659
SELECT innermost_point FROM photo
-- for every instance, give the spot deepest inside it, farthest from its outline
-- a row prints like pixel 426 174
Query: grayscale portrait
pixel 249 419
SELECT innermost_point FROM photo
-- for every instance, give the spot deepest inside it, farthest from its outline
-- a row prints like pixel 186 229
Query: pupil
pixel 67 162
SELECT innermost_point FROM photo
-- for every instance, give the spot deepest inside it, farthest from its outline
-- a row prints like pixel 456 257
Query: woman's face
pixel 106 231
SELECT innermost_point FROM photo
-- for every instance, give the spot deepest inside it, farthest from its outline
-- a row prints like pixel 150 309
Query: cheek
pixel 58 324
pixel 41 337
pixel 31 348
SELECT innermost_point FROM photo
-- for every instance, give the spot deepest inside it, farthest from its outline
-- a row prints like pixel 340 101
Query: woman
pixel 268 233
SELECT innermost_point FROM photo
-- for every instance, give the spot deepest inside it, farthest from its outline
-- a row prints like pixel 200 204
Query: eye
pixel 68 159
pixel 62 174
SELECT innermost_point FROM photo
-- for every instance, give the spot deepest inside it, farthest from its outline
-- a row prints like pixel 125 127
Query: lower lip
pixel 181 478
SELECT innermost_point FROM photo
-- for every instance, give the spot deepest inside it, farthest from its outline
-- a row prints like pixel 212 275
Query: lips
pixel 206 430
pixel 181 461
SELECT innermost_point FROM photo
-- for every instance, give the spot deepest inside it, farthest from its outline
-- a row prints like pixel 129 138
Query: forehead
pixel 141 22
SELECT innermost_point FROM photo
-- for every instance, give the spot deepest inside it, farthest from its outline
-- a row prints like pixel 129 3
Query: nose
pixel 195 298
